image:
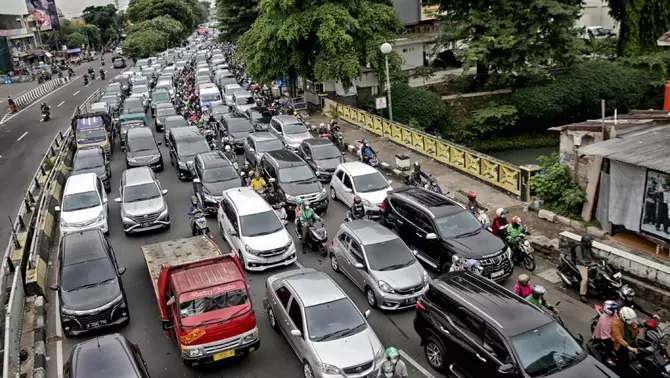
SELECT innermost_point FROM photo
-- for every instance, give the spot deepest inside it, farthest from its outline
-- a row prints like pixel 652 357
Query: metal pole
pixel 388 87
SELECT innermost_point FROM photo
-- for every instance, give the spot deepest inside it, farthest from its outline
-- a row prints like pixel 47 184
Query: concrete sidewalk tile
pixel 550 275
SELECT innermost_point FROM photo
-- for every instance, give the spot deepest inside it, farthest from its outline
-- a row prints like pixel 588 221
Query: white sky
pixel 70 8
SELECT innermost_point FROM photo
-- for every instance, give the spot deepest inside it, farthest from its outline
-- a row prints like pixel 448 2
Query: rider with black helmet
pixel 193 207
pixel 357 210
pixel 417 176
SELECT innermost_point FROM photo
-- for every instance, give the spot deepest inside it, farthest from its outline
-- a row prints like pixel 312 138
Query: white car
pixel 254 231
pixel 84 205
pixel 359 179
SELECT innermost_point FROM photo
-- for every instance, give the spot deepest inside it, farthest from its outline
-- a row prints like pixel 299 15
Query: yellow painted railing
pixel 495 172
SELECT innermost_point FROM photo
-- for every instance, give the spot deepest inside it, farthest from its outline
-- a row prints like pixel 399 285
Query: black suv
pixel 93 159
pixel 184 144
pixel 472 327
pixel 90 288
pixel 237 128
pixel 439 228
pixel 214 174
pixel 106 356
pixel 295 179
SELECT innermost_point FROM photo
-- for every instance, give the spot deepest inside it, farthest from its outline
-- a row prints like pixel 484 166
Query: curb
pixel 37 93
pixel 40 364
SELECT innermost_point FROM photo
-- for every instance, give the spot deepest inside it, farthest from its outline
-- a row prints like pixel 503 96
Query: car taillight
pixel 419 306
pixel 332 243
pixel 383 206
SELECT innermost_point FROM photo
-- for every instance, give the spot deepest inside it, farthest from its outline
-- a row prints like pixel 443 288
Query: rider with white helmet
pixel 624 333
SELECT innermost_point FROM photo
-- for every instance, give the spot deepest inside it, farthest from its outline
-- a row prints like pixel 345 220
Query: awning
pixel 38 52
pixel 645 148
pixel 72 51
pixel 48 54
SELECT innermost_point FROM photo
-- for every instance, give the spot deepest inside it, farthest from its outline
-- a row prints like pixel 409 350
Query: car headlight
pixel 164 213
pixel 328 368
pixel 250 337
pixel 380 354
pixel 386 287
pixel 132 160
pixel 210 198
pixel 182 165
pixel 426 277
pixel 289 197
pixel 252 251
pixel 100 216
pixel 367 204
pixel 195 352
pixel 64 224
pixel 322 193
pixel 317 172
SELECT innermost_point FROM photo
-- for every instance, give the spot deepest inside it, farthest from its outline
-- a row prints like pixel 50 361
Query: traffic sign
pixel 8 80
pixel 380 102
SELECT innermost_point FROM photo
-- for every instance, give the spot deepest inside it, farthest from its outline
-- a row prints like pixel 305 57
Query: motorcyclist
pixel 323 129
pixel 193 207
pixel 627 299
pixel 393 367
pixel 307 217
pixel 90 70
pixel 357 210
pixel 624 332
pixel 273 199
pixel 334 126
pixel 102 60
pixel 229 153
pixel 522 287
pixel 245 168
pixel 583 258
pixel 298 207
pixel 537 298
pixel 12 104
pixel 102 74
pixel 603 330
pixel 366 151
pixel 473 204
pixel 85 79
pixel 226 142
pixel 257 183
pixel 499 222
pixel 515 231
pixel 45 108
pixel 433 186
pixel 417 176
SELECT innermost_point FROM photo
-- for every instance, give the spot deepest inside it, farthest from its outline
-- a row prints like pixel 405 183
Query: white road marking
pixel 76 93
pixel 59 105
pixel 299 265
pixel 5 118
pixel 88 84
pixel 59 339
pixel 9 116
pixel 409 359
pixel 23 135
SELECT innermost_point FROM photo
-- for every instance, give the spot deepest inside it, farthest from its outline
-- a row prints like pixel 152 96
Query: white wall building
pixel 596 13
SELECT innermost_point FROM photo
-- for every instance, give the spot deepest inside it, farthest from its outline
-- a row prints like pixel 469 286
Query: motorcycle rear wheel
pixel 529 262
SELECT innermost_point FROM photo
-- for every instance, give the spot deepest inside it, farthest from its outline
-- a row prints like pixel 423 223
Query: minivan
pixel 143 206
pixel 184 144
pixel 84 205
pixel 142 149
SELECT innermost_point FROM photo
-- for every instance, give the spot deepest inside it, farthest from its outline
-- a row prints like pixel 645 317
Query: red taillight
pixel 332 243
pixel 419 306
pixel 383 206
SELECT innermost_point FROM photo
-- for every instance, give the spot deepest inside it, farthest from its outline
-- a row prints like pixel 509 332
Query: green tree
pixel 91 33
pixel 145 43
pixel 641 23
pixel 75 40
pixel 174 30
pixel 236 17
pixel 324 40
pixel 105 18
pixel 143 10
pixel 512 37
pixel 419 108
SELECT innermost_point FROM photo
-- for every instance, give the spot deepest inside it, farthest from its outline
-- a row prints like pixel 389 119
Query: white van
pixel 210 96
pixel 84 205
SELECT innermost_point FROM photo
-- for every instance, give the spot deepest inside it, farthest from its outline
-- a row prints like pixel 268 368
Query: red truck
pixel 203 298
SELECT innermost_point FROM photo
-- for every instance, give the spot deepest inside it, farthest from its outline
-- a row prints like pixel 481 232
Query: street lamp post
pixel 386 49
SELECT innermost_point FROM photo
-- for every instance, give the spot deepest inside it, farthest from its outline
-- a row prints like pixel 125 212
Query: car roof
pixel 313 142
pixel 247 201
pixel 139 132
pixel 314 287
pixel 261 136
pixel 212 159
pixel 368 232
pixel 206 276
pixel 138 176
pixel 86 152
pixel 175 118
pixel 286 119
pixel 438 205
pixel 285 158
pixel 187 132
pixel 106 356
pixel 80 246
pixel 356 168
pixel 80 183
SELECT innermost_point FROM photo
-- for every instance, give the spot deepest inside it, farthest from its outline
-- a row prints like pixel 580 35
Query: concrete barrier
pixel 39 92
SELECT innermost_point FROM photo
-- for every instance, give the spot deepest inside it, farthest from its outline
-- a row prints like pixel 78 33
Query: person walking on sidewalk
pixel 584 258
pixel 12 105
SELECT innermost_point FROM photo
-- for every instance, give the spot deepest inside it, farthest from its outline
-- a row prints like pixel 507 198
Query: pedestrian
pixel 12 105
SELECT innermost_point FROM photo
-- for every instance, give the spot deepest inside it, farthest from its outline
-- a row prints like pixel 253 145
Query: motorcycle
pixel 316 238
pixel 482 217
pixel 85 80
pixel 604 280
pixel 211 140
pixel 280 210
pixel 46 115
pixel 522 251
pixel 102 75
pixel 102 62
pixel 92 75
pixel 338 139
pixel 200 221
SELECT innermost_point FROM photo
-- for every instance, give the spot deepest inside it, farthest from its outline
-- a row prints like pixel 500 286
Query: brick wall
pixel 569 154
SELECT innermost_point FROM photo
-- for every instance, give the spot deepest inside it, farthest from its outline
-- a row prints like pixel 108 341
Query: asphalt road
pixel 24 139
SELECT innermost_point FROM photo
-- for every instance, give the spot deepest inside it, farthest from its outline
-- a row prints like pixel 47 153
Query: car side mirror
pixel 284 222
pixel 431 236
pixel 390 182
pixel 196 181
pixel 121 271
pixel 251 150
pixel 506 369
pixel 57 208
pixel 296 333
pixel 580 339
pixel 308 157
pixel 159 142
pixel 415 252
pixel 344 153
pixel 166 324
pixel 367 313
pixel 164 191
pixel 117 200
pixel 104 200
pixel 348 190
pixel 54 287
pixel 359 266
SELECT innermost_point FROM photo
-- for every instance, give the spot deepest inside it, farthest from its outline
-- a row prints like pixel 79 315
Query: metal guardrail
pixel 92 99
pixel 37 93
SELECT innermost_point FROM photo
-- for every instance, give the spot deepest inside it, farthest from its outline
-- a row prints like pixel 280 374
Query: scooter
pixel 482 217
pixel 92 75
pixel 370 160
pixel 85 80
pixel 45 116
pixel 201 227
pixel 280 210
pixel 316 238
pixel 604 280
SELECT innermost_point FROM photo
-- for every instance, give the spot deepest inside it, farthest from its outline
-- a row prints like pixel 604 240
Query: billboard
pixel 45 13
pixel 656 213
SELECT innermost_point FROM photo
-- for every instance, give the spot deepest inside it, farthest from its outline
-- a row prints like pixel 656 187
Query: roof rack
pixel 425 197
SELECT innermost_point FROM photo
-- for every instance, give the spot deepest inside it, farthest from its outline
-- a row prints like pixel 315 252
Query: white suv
pixel 84 205
pixel 254 231
pixel 359 179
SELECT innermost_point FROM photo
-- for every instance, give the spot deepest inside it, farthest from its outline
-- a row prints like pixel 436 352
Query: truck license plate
pixel 497 274
pixel 222 355
pixel 97 324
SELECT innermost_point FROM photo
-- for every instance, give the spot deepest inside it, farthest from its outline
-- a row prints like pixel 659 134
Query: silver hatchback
pixel 328 333
pixel 377 261
pixel 143 206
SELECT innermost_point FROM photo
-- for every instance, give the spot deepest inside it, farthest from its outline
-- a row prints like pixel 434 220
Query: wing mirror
pixel 506 369
pixel 57 208
pixel 164 191
pixel 344 153
pixel 431 236
pixel 359 266
pixel 348 190
pixel 390 182
pixel 121 271
pixel 159 142
pixel 166 324
pixel 196 181
pixel 367 313
pixel 105 200
pixel 415 252
pixel 296 333
pixel 54 287
pixel 284 222
pixel 117 200
pixel 580 339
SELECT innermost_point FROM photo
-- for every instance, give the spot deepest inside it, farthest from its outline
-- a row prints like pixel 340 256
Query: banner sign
pixel 45 13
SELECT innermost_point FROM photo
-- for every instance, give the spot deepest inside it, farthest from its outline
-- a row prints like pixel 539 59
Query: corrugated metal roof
pixel 664 40
pixel 647 148
pixel 206 276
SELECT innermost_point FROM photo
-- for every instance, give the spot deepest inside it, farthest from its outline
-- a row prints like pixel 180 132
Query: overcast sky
pixel 70 8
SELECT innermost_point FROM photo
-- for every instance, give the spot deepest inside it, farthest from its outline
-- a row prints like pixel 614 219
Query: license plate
pixel 222 355
pixel 275 259
pixel 497 274
pixel 667 368
pixel 97 324
pixel 411 300
pixel 144 225
pixel 617 276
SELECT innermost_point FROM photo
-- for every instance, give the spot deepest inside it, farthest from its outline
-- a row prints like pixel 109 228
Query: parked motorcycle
pixel 604 280
pixel 200 221
pixel 316 238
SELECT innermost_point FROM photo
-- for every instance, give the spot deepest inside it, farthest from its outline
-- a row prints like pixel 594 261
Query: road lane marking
pixel 62 102
pixel 88 84
pixel 23 135
pixel 409 359
pixel 5 117
pixel 9 116
pixel 59 339
pixel 76 93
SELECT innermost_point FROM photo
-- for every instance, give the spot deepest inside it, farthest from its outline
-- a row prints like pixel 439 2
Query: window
pixel 334 320
pixel 546 348
pixel 98 184
pixel 296 315
pixel 372 182
pixel 141 192
pixel 81 201
pixel 389 255
pixel 356 252
pixel 339 175
pixel 270 145
pixel 344 239
pixel 347 182
pixel 469 324
pixel 265 223
pixel 424 222
pixel 284 295
pixel 458 224
pixel 402 209
pixel 494 345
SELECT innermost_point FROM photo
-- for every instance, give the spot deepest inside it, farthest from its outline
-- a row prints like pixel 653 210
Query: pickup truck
pixel 203 299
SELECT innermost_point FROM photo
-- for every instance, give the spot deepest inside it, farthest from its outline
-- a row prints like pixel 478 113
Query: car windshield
pixel 142 192
pixel 260 224
pixel 81 201
pixel 86 274
pixel 91 134
pixel 269 145
pixel 213 299
pixel 296 174
pixel 166 112
pixel 140 89
pixel 458 224
pixel 141 144
pixel 328 151
pixel 210 97
pixel 240 127
pixel 191 148
pixel 109 99
pixel 333 320
pixel 219 174
pixel 389 255
pixel 88 162
pixel 139 81
pixel 164 96
pixel 113 89
pixel 245 100
pixel 547 348
pixel 263 117
pixel 372 182
pixel 294 128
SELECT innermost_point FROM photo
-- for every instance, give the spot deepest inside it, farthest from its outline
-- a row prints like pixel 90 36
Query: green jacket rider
pixel 307 216
pixel 515 230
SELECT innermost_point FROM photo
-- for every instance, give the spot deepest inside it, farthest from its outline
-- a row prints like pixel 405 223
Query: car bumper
pixel 318 205
pixel 256 263
pixel 369 373
pixel 234 352
pixel 184 174
pixel 102 225
pixel 155 165
pixel 132 227
pixel 395 301
pixel 325 176
pixel 78 324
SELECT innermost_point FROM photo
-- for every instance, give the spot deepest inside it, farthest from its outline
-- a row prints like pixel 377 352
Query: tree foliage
pixel 512 37
pixel 236 17
pixel 419 108
pixel 329 39
pixel 74 40
pixel 144 10
pixel 555 187
pixel 106 18
pixel 145 43
pixel 641 23
pixel 173 30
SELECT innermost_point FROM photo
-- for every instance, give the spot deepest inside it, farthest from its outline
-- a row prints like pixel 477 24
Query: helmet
pixel 538 291
pixel 626 293
pixel 628 315
pixel 523 279
pixel 357 200
pixel 388 369
pixel 472 195
pixel 322 124
pixel 610 307
pixel 392 354
pixel 251 172
pixel 587 240
pixel 500 211
pixel 272 180
pixel 194 200
pixel 417 165
pixel 432 181
pixel 306 203
pixel 227 148
pixel 516 220
pixel 257 174
pixel 298 201
pixel 246 164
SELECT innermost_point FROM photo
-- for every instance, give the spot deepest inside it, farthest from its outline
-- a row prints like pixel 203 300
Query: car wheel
pixel 435 353
pixel 161 168
pixel 333 263
pixel 307 370
pixel 272 319
pixel 221 231
pixel 370 296
pixel 333 195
